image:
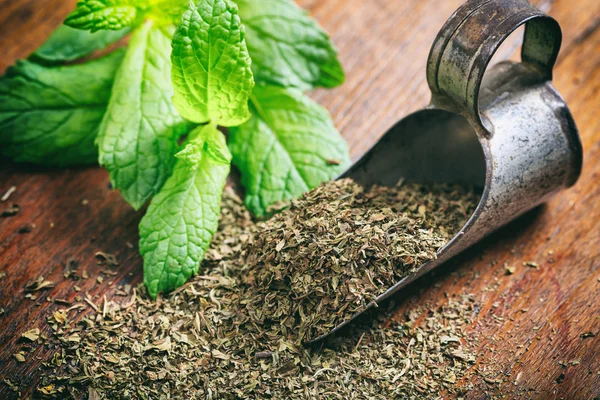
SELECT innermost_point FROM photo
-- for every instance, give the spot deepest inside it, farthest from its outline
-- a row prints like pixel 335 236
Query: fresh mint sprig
pixel 187 64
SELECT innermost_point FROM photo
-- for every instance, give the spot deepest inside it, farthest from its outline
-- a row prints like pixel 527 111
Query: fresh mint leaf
pixel 288 48
pixel 288 147
pixel 94 15
pixel 50 115
pixel 139 133
pixel 68 44
pixel 183 216
pixel 211 66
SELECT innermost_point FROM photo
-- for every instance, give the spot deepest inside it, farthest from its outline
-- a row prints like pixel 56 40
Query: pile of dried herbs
pixel 338 247
pixel 236 332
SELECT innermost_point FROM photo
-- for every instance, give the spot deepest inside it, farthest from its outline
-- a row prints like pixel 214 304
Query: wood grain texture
pixel 529 327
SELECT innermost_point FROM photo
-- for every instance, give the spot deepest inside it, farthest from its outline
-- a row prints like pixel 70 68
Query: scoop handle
pixel 466 43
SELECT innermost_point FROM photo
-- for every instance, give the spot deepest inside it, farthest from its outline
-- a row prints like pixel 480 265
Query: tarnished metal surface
pixel 510 133
pixel 467 42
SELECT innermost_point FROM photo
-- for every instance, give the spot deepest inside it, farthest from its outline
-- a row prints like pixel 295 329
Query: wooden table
pixel 532 325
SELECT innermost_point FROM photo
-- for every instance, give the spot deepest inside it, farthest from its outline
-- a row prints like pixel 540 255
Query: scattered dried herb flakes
pixel 11 385
pixel 205 340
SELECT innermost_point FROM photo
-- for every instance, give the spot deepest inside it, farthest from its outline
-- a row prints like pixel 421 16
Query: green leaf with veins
pixel 139 133
pixel 288 48
pixel 68 44
pixel 50 115
pixel 288 147
pixel 183 216
pixel 212 76
pixel 94 15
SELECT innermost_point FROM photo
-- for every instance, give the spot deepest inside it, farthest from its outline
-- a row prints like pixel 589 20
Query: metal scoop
pixel 510 133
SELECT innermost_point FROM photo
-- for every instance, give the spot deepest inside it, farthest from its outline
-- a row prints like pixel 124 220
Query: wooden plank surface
pixel 530 326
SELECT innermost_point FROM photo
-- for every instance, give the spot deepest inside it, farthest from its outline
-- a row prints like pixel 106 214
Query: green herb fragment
pixel 183 216
pixel 211 66
pixel 139 133
pixel 68 44
pixel 285 148
pixel 50 115
pixel 287 47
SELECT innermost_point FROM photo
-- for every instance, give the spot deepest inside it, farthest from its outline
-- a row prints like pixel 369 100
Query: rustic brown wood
pixel 530 324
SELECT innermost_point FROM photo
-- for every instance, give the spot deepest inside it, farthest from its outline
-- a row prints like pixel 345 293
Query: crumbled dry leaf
pixel 106 258
pixel 60 316
pixel 31 335
pixel 38 284
pixel 48 390
pixel 531 264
